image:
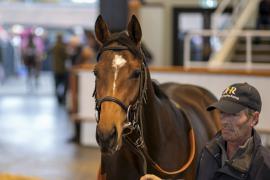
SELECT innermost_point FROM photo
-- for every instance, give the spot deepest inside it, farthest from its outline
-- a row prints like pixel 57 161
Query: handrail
pixel 248 34
pixel 239 6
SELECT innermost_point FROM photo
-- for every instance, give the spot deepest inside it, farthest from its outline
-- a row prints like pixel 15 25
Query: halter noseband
pixel 111 99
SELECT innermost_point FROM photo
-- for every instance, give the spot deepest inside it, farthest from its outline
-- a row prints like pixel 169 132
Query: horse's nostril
pixel 113 137
pixel 113 133
pixel 108 138
pixel 98 133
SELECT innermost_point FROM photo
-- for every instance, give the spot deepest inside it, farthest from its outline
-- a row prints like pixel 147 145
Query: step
pixel 259 40
pixel 255 58
pixel 253 52
pixel 254 47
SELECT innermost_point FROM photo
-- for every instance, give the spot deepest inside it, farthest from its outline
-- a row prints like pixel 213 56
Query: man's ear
pixel 255 118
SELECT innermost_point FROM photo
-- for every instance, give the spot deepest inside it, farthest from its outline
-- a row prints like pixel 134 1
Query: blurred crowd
pixel 67 55
pixel 26 52
pixel 61 55
pixel 263 21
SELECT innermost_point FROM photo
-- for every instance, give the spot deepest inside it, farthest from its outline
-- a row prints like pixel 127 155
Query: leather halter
pixel 134 120
pixel 112 99
pixel 133 111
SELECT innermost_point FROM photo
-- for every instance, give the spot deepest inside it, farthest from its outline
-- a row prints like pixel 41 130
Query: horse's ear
pixel 101 29
pixel 134 30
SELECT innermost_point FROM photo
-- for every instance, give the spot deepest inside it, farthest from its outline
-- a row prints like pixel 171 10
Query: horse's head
pixel 120 76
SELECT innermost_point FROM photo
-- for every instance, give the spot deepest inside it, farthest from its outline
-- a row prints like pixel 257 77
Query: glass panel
pixel 189 22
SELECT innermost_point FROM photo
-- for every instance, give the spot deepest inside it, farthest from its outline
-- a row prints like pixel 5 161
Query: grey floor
pixel 34 133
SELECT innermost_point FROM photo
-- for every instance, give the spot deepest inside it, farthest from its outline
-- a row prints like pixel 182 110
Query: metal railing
pixel 247 34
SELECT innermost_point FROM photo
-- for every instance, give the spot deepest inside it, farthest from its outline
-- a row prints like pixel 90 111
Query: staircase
pixel 243 10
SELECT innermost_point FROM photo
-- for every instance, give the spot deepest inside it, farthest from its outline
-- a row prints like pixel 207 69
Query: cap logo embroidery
pixel 230 92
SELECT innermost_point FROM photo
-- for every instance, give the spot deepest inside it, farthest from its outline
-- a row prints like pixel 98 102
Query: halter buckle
pixel 139 142
pixel 128 128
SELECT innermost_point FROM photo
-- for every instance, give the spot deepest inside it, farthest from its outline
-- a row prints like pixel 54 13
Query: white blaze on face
pixel 117 63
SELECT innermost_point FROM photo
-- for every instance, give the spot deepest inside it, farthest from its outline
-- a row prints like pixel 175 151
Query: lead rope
pixel 184 167
pixel 192 147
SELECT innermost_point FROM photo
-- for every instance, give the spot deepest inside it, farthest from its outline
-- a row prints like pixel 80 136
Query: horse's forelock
pixel 123 39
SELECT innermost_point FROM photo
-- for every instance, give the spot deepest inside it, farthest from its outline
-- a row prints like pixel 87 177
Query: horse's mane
pixel 158 91
pixel 123 39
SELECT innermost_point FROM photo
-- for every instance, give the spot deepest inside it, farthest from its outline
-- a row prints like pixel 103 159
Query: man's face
pixel 235 127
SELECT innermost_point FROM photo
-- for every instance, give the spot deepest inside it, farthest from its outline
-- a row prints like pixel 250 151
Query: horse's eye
pixel 136 74
pixel 95 72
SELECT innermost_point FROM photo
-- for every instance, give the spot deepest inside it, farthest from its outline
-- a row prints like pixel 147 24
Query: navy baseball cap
pixel 238 97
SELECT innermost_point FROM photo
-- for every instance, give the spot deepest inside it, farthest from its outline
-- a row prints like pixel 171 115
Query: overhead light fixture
pixel 209 3
pixel 39 31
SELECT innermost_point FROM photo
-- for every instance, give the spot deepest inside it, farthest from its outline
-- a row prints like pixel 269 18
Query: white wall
pixel 175 2
pixel 49 15
pixel 165 23
pixel 152 20
pixel 216 83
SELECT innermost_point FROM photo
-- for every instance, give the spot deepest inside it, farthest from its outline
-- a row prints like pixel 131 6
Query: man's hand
pixel 149 177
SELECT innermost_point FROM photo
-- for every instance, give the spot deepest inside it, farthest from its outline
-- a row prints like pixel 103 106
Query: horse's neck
pixel 112 166
pixel 161 129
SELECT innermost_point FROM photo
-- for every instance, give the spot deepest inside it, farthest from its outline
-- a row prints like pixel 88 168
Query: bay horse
pixel 143 127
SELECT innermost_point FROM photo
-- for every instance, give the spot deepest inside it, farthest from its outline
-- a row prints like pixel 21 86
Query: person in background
pixel 32 58
pixel 74 49
pixel 82 55
pixel 60 56
pixel 88 50
pixel 263 21
pixel 91 41
pixel 2 72
pixel 236 152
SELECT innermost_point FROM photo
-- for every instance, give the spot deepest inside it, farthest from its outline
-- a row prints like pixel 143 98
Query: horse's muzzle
pixel 107 141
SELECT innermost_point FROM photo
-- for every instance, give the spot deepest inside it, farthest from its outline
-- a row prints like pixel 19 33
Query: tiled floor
pixel 33 135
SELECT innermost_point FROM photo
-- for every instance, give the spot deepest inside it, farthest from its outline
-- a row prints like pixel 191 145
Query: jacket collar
pixel 241 160
pixel 213 148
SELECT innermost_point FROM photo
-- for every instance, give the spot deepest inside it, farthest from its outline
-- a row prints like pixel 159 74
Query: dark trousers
pixel 61 85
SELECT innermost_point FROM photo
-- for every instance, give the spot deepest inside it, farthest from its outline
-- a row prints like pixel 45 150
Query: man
pixel 59 54
pixel 236 151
